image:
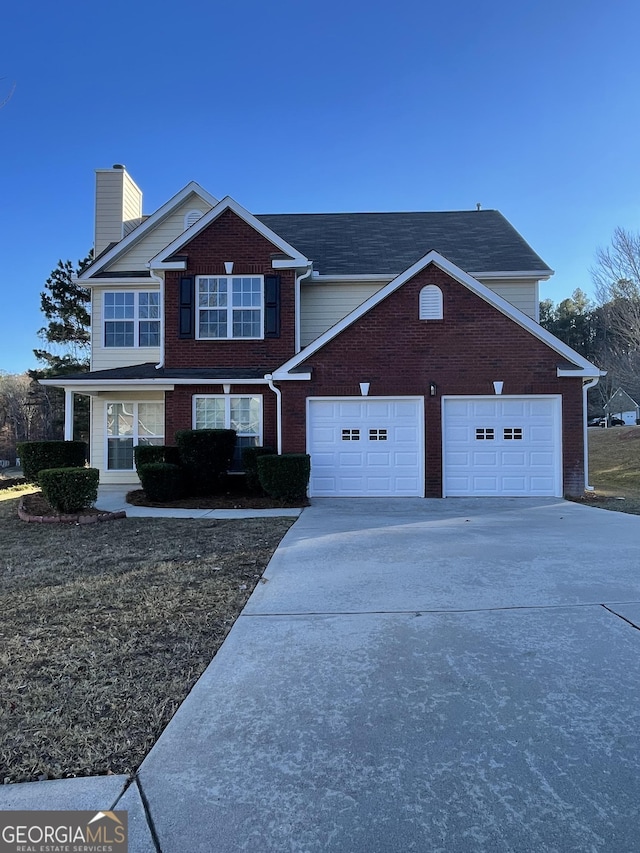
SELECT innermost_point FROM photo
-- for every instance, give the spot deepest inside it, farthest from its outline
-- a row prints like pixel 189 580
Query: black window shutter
pixel 186 325
pixel 272 306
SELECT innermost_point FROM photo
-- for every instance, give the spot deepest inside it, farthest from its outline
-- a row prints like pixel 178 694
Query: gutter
pixel 299 278
pixel 160 280
pixel 278 393
pixel 585 431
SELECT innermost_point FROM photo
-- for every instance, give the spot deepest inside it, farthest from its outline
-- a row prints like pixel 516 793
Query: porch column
pixel 68 414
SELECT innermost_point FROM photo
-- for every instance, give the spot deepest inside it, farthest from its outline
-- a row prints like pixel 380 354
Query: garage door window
pixel 485 434
pixel 351 435
pixel 377 435
pixel 512 433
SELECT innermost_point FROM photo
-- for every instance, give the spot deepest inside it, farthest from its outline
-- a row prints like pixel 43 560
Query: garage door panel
pixel 508 446
pixel 366 446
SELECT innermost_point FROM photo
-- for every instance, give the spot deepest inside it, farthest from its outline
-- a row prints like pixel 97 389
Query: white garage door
pixel 502 446
pixel 366 446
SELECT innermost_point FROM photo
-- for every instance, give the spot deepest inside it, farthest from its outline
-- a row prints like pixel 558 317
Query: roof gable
pixel 163 260
pixel 583 367
pixel 120 249
pixel 620 401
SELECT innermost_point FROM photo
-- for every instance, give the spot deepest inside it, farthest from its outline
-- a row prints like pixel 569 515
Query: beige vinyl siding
pixel 108 209
pixel 523 294
pixel 104 358
pixel 323 305
pixel 131 205
pixel 164 233
pixel 98 449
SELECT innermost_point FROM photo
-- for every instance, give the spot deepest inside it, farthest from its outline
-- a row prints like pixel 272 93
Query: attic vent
pixel 191 218
pixel 431 303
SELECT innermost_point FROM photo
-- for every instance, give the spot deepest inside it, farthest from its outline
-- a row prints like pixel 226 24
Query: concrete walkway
pixel 457 675
pixel 114 499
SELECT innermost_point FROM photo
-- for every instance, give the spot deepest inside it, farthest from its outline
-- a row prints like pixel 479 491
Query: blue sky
pixel 300 107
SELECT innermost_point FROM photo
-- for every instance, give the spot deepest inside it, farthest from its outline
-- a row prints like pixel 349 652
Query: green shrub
pixel 161 481
pixel 250 465
pixel 37 455
pixel 144 454
pixel 206 455
pixel 70 489
pixel 285 477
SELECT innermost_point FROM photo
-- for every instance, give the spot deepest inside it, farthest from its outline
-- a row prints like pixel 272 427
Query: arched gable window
pixel 191 218
pixel 431 303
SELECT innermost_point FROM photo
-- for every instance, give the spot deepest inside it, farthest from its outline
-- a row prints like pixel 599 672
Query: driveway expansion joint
pixel 620 616
pixel 423 612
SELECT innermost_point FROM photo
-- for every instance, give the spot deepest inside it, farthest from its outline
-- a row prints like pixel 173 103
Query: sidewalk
pixel 114 499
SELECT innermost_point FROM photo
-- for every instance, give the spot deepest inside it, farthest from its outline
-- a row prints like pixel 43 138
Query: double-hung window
pixel 129 424
pixel 243 414
pixel 230 307
pixel 132 319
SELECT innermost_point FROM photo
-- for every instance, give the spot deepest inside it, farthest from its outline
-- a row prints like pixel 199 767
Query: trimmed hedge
pixel 285 477
pixel 206 455
pixel 250 457
pixel 38 455
pixel 161 481
pixel 145 454
pixel 70 489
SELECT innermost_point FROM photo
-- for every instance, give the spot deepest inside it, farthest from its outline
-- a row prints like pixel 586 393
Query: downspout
pixel 160 280
pixel 585 431
pixel 278 393
pixel 299 278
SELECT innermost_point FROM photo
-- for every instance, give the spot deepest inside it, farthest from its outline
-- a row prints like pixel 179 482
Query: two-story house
pixel 400 350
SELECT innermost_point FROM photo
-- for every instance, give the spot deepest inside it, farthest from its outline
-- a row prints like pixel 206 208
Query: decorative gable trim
pixel 294 257
pixel 583 367
pixel 148 225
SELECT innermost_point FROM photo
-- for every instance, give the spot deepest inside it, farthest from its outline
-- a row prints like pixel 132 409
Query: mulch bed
pixel 36 508
pixel 227 500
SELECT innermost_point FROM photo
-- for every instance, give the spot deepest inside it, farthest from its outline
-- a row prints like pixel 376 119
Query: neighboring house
pixel 622 405
pixel 401 350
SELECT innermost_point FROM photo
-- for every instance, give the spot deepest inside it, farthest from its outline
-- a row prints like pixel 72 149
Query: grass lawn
pixel 106 627
pixel 614 468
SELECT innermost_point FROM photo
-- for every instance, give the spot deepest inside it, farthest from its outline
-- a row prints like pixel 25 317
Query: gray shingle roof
pixel 149 371
pixel 370 243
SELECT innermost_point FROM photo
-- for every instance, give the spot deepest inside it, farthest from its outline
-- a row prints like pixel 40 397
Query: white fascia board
pixel 563 372
pixel 139 384
pixel 481 290
pixel 92 388
pixel 169 265
pixel 150 223
pixel 280 376
pixel 540 275
pixel 225 204
pixel 119 282
pixel 290 263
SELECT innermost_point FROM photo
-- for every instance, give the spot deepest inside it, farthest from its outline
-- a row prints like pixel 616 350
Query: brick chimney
pixel 118 206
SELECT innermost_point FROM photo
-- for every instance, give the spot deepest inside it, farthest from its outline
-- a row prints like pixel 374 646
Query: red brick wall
pixel 179 407
pixel 229 238
pixel 398 354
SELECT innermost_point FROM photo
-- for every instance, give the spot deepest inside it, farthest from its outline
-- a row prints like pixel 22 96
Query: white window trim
pixel 136 319
pixel 227 410
pixel 229 309
pixel 135 436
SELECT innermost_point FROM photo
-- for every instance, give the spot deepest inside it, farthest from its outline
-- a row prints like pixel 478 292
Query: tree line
pixel 606 330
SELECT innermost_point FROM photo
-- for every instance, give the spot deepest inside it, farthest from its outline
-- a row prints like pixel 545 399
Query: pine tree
pixel 65 304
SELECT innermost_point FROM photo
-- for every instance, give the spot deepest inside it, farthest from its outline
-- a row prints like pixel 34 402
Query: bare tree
pixel 616 276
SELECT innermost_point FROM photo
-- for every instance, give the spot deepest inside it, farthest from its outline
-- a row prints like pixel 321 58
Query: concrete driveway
pixel 456 675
